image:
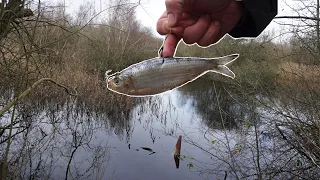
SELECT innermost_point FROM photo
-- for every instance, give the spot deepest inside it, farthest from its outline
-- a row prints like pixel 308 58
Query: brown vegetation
pixel 76 52
pixel 299 76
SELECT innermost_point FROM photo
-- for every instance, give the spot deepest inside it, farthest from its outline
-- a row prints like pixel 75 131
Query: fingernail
pixel 170 19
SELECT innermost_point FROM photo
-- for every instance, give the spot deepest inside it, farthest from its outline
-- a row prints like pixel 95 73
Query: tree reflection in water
pixel 61 139
pixel 242 136
pixel 224 136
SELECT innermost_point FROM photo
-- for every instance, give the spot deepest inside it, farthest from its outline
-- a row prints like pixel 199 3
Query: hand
pixel 203 22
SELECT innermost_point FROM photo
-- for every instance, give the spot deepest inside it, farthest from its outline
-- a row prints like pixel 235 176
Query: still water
pixel 218 141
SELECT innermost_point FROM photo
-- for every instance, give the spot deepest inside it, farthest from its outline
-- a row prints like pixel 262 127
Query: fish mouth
pixel 110 78
pixel 110 81
pixel 107 74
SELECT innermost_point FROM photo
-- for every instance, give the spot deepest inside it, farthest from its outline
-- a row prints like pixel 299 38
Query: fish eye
pixel 116 81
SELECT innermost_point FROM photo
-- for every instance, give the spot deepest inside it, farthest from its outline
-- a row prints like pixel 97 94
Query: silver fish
pixel 158 75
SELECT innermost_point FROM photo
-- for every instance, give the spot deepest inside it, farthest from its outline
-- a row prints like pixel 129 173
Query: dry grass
pixel 90 86
pixel 303 77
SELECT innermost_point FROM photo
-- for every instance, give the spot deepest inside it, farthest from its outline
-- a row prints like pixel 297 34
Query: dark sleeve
pixel 257 16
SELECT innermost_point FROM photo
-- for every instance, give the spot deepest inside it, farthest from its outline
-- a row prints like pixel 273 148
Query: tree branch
pixel 297 17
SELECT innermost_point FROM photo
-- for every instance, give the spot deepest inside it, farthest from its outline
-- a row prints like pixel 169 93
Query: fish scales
pixel 171 71
pixel 159 75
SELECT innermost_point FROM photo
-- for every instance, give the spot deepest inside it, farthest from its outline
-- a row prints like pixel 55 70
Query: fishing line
pixel 161 48
pixel 147 12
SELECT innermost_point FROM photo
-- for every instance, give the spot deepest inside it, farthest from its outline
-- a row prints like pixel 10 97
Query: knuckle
pixel 173 5
pixel 170 3
pixel 161 29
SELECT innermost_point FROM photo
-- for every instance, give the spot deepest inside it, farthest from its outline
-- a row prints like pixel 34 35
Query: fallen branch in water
pixel 26 92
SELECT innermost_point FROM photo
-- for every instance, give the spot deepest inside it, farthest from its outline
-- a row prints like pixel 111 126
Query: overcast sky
pixel 150 10
pixel 147 12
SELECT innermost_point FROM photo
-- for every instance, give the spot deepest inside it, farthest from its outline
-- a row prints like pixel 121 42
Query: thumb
pixel 175 9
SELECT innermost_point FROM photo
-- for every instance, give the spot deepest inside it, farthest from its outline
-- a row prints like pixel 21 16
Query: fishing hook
pixel 161 48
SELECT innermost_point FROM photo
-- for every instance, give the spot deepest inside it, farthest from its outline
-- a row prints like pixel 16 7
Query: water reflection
pixel 134 138
pixel 214 104
pixel 58 143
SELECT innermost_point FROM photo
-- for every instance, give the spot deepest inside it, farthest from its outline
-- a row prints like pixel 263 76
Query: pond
pixel 219 139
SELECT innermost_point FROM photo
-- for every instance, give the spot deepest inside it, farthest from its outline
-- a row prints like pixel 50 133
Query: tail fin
pixel 220 65
pixel 225 60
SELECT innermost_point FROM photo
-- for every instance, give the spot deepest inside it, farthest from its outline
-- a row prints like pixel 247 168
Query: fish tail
pixel 225 60
pixel 220 65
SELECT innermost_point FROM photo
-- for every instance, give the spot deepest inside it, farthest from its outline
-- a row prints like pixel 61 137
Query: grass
pixel 299 76
pixel 79 62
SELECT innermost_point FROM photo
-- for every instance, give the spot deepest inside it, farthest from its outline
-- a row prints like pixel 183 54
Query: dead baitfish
pixel 158 75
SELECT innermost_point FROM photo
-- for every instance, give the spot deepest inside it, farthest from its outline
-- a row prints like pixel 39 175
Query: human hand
pixel 203 22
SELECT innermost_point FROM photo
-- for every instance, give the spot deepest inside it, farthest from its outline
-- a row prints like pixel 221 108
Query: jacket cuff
pixel 257 15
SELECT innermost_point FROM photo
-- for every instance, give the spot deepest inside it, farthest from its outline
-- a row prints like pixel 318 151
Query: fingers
pixel 186 20
pixel 175 9
pixel 204 32
pixel 194 33
pixel 212 35
pixel 170 45
pixel 162 24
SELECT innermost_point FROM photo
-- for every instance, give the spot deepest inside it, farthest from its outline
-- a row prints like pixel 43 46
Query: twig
pixel 297 17
pixel 4 166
